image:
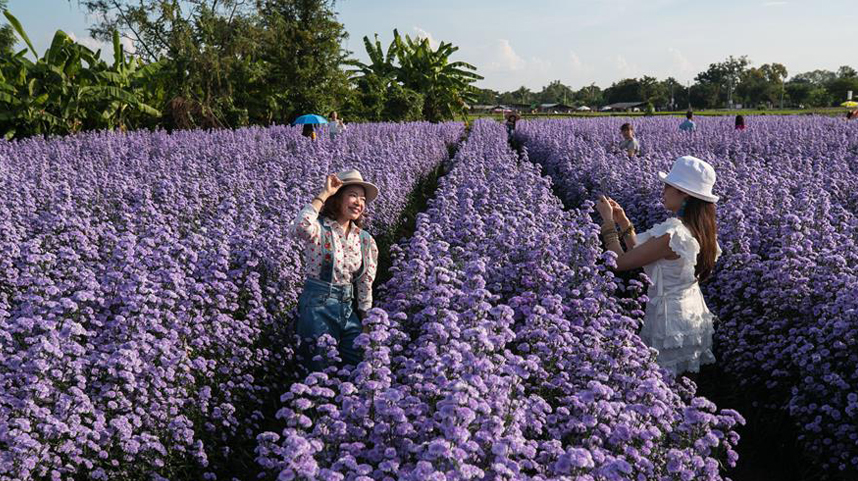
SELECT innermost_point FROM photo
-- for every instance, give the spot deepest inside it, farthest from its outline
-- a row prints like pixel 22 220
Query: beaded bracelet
pixel 610 237
pixel 319 199
pixel 629 230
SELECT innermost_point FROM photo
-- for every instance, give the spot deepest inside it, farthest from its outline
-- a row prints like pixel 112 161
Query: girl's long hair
pixel 700 218
pixel 332 206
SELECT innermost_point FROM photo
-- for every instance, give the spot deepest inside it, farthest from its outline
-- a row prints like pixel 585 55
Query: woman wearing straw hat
pixel 676 255
pixel 341 260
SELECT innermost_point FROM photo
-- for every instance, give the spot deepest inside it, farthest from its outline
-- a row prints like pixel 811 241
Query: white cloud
pixel 575 60
pixel 504 59
pixel 577 66
pixel 421 34
pixel 128 44
pixel 92 44
pixel 681 67
pixel 623 67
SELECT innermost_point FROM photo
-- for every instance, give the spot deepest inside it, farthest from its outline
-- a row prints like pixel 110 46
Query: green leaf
pixel 18 28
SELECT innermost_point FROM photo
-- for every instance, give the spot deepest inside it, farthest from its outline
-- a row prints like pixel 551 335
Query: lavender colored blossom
pixel 786 288
pixel 146 282
pixel 500 351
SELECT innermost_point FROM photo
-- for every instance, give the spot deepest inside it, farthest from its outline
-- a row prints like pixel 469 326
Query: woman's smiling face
pixel 353 203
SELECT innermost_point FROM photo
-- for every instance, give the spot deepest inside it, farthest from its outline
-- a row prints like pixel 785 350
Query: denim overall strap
pixel 327 247
pixel 365 241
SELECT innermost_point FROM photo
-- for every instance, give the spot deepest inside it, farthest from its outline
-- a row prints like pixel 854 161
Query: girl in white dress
pixel 676 255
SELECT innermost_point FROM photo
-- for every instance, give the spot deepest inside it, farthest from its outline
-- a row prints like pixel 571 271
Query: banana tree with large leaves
pixel 123 91
pixel 446 85
pixel 412 63
pixel 63 91
pixel 381 64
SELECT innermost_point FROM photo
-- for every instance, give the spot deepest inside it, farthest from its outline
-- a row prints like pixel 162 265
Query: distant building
pixel 481 108
pixel 555 108
pixel 623 107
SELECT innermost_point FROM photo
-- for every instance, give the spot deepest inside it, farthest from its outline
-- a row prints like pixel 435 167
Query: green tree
pixel 486 96
pixel 762 85
pixel 521 95
pixel 798 92
pixel 654 92
pixel 839 87
pixel 590 95
pixel 816 77
pixel 716 85
pixel 556 93
pixel 846 71
pixel 402 105
pixel 675 93
pixel 232 62
pixel 69 88
pixel 7 34
pixel 626 90
pixel 446 85
pixel 302 53
pixel 413 64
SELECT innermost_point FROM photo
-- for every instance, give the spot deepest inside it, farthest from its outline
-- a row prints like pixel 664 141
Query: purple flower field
pixel 785 290
pixel 499 352
pixel 145 282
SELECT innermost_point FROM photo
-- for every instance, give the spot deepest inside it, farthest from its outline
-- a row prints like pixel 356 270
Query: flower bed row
pixel 499 352
pixel 785 289
pixel 144 284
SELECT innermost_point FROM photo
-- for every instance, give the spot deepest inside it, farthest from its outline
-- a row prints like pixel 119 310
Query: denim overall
pixel 327 308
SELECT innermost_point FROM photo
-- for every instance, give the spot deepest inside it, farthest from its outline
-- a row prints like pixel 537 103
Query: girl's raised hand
pixel 604 208
pixel 332 184
pixel 617 210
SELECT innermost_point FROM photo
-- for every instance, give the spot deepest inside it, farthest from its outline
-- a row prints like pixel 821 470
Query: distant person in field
pixel 740 122
pixel 341 259
pixel 335 125
pixel 309 132
pixel 688 125
pixel 629 144
pixel 852 114
pixel 677 255
pixel 510 124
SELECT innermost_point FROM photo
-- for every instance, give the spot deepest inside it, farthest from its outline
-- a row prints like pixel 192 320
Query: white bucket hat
pixel 353 177
pixel 692 176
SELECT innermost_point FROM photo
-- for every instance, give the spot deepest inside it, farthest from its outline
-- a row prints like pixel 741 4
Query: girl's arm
pixel 646 253
pixel 631 239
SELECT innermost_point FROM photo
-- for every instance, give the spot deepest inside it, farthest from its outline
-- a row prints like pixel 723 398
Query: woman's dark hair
pixel 626 126
pixel 740 121
pixel 308 130
pixel 699 216
pixel 332 206
pixel 689 114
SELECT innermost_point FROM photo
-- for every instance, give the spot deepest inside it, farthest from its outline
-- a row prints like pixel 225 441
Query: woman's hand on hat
pixel 332 185
pixel 605 209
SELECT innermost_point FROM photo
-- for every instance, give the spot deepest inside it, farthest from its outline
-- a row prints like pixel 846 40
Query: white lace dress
pixel 677 324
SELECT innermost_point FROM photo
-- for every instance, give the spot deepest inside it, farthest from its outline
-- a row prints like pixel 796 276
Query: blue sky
pixel 578 42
